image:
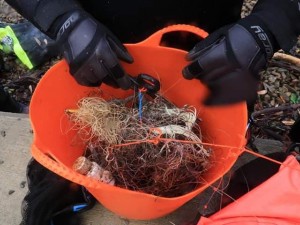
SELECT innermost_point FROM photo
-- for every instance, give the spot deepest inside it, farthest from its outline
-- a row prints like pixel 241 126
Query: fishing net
pixel 150 146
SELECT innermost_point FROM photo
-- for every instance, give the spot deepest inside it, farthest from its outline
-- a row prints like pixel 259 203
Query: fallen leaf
pixel 288 122
pixel 262 92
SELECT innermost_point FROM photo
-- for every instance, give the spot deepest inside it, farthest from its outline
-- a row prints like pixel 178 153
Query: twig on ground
pixel 289 58
pixel 275 110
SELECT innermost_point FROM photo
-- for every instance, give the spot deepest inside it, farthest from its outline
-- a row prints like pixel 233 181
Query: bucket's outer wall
pixel 58 91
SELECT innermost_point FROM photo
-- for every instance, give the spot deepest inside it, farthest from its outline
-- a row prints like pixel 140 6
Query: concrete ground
pixel 15 140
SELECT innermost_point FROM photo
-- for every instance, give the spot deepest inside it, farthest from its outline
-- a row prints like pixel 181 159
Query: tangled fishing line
pixel 153 148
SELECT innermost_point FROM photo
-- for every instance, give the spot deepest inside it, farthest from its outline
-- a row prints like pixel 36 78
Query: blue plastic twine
pixel 140 97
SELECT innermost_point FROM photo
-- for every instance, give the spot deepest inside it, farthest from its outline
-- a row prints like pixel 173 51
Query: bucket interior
pixel 58 91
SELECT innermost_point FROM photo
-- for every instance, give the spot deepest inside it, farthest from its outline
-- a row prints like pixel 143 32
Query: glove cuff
pixel 48 12
pixel 64 25
pixel 260 32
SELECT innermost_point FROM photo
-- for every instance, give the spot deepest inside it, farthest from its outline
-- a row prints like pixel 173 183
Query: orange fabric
pixel 274 202
pixel 247 221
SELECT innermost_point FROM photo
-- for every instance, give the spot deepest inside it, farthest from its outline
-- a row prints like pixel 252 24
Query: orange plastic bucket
pixel 58 91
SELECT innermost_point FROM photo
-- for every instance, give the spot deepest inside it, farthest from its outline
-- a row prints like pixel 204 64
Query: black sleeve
pixel 282 17
pixel 43 13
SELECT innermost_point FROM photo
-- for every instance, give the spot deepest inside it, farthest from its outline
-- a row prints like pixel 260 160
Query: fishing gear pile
pixel 150 146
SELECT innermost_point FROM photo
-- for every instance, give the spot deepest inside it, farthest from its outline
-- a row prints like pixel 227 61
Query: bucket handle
pixel 66 172
pixel 155 39
pixel 62 170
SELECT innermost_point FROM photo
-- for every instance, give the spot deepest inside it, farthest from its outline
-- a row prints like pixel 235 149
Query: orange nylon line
pixel 142 90
pixel 197 142
pixel 131 143
pixel 262 156
pixel 173 85
pixel 159 139
pixel 215 190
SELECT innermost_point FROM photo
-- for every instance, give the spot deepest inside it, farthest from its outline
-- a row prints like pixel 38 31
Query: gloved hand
pixel 93 52
pixel 228 61
pixel 28 43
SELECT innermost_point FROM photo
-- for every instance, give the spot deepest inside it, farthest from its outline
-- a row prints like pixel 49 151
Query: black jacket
pixel 135 20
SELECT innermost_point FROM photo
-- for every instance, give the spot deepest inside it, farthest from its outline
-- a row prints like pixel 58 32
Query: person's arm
pixel 282 17
pixel 229 60
pixel 91 50
pixel 43 13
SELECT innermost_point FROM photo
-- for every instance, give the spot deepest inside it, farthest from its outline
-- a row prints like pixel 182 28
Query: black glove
pixel 228 61
pixel 52 200
pixel 93 52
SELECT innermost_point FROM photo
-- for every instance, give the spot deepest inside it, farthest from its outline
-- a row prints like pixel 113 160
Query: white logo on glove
pixel 264 39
